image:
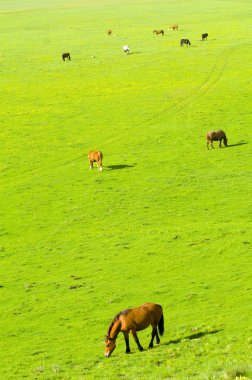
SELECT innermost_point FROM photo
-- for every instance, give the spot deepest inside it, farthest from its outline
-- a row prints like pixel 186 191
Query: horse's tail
pixel 161 325
pixel 225 139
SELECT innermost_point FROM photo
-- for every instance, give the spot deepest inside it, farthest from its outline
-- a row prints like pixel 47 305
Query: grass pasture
pixel 167 221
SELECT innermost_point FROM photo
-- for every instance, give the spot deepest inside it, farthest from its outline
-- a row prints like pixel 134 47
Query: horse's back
pixel 215 135
pixel 95 155
pixel 148 308
pixel 139 318
pixel 161 31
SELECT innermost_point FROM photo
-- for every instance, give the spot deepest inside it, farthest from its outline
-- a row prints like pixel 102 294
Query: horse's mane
pixel 124 312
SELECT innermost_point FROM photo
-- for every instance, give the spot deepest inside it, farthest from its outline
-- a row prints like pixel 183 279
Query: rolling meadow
pixel 166 221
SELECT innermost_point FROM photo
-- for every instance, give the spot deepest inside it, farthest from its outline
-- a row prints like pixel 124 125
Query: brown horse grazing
pixel 161 31
pixel 133 320
pixel 174 27
pixel 109 32
pixel 95 156
pixel 66 56
pixel 216 136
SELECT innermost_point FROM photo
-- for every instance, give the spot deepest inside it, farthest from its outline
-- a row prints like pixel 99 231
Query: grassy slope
pixel 171 227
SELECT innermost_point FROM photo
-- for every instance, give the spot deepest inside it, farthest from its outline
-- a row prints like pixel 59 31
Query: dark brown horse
pixel 174 27
pixel 161 31
pixel 66 56
pixel 95 156
pixel 133 320
pixel 185 41
pixel 216 136
pixel 109 32
pixel 204 36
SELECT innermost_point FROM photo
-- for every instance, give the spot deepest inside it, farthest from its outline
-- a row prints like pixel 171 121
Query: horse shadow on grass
pixel 118 167
pixel 194 336
pixel 238 144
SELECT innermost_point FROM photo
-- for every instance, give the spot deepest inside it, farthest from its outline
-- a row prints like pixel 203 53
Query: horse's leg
pixel 91 164
pixel 99 165
pixel 126 338
pixel 220 143
pixel 136 340
pixel 153 334
pixel 212 145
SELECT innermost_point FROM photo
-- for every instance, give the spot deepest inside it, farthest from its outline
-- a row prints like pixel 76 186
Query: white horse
pixel 126 49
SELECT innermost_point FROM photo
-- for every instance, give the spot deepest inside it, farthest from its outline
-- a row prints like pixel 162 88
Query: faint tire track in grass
pixel 212 79
pixel 37 170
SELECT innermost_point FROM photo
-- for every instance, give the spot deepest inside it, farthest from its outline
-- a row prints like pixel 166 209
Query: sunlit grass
pixel 166 221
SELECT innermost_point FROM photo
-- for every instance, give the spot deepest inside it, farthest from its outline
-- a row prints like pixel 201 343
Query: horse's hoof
pixel 140 348
pixel 151 346
pixel 127 352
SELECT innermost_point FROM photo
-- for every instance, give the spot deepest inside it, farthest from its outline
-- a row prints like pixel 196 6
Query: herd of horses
pixel 183 41
pixel 211 136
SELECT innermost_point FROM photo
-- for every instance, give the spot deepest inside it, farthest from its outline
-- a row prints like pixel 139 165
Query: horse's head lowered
pixel 110 345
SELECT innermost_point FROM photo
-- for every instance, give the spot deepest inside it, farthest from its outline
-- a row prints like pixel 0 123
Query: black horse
pixel 66 56
pixel 185 41
pixel 204 36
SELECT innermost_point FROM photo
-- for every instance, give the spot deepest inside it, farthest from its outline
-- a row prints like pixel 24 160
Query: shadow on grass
pixel 193 336
pixel 118 167
pixel 238 144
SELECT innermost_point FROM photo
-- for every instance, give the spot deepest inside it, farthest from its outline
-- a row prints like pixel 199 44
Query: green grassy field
pixel 167 220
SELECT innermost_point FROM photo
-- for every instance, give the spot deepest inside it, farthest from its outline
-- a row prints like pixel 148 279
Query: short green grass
pixel 167 220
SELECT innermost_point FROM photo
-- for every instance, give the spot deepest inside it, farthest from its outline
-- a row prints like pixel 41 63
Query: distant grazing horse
pixel 126 49
pixel 109 32
pixel 174 27
pixel 133 320
pixel 216 136
pixel 185 41
pixel 66 56
pixel 161 31
pixel 95 156
pixel 204 36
